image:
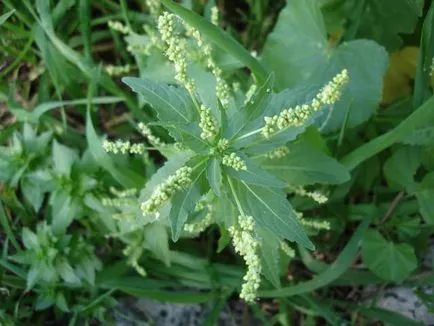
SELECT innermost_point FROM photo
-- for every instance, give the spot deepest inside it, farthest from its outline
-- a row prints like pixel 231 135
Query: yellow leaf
pixel 400 74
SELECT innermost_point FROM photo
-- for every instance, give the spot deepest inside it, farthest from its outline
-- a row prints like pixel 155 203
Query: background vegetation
pixel 67 253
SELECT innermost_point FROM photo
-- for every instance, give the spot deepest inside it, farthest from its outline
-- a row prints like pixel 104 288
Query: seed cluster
pixel 117 70
pixel 215 15
pixel 222 88
pixel 146 132
pixel 207 123
pixel 287 249
pixel 279 152
pixel 315 195
pixel 247 246
pixel 316 224
pixel 176 50
pixel 199 226
pixel 165 191
pixel 123 147
pixel 234 161
pixel 296 117
pixel 119 27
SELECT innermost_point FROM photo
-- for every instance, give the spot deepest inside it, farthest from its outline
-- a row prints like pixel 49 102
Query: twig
pixel 392 206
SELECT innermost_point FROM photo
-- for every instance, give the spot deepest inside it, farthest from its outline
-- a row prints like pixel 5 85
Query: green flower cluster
pixel 117 70
pixel 126 147
pixel 279 152
pixel 146 132
pixel 176 50
pixel 207 123
pixel 296 117
pixel 247 246
pixel 287 249
pixel 118 27
pixel 166 190
pixel 234 161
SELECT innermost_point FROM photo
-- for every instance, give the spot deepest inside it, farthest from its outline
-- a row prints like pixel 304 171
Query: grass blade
pixel 423 116
pixel 342 263
pixel 34 115
pixel 426 55
pixel 6 16
pixel 7 228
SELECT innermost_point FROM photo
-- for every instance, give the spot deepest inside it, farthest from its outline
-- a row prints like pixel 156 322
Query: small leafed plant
pixel 229 152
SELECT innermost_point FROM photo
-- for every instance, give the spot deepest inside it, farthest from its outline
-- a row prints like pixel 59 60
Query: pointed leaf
pixel 270 255
pixel 214 175
pixel 157 241
pixel 255 175
pixel 170 103
pixel 63 159
pixel 184 203
pixel 304 165
pixel 271 209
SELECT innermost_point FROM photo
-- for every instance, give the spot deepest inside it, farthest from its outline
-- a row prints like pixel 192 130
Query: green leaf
pixel 219 38
pixel 184 203
pixel 67 272
pixel 30 240
pixel 423 136
pixel 422 117
pixel 255 175
pixel 126 177
pixel 64 209
pixel 402 166
pixel 171 104
pixel 214 175
pixel 32 193
pixel 269 253
pixel 224 213
pixel 426 54
pixel 33 116
pixel 4 222
pixel 425 195
pixel 332 273
pixel 304 165
pixel 242 121
pixel 157 241
pixel 382 24
pixel 63 159
pixel 270 208
pixel 33 276
pixel 304 56
pixel 6 16
pixel 390 261
pixel 168 169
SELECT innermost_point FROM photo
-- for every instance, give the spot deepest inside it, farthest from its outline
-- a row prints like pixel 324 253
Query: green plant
pixel 274 170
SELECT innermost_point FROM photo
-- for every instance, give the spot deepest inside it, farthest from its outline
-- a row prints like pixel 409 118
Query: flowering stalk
pixel 176 50
pixel 296 117
pixel 180 180
pixel 146 132
pixel 247 246
pixel 123 147
pixel 207 123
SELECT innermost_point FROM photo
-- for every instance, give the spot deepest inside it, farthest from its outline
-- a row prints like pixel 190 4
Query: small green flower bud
pixel 278 152
pixel 119 27
pixel 247 246
pixel 234 161
pixel 207 123
pixel 287 249
pixel 165 191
